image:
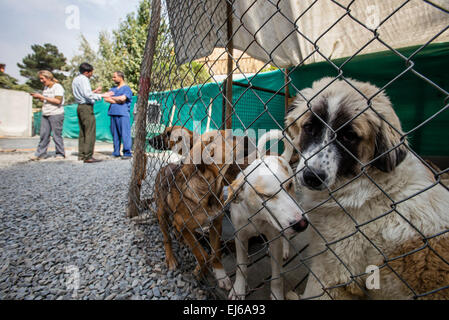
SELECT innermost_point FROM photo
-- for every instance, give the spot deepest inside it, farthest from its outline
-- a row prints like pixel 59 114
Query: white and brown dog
pixel 369 200
pixel 262 202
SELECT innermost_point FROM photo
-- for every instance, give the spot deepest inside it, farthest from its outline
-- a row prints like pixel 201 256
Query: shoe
pixel 126 157
pixel 92 160
pixel 36 158
pixel 60 157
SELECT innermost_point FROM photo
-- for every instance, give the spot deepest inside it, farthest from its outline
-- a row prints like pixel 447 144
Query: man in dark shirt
pixel 120 118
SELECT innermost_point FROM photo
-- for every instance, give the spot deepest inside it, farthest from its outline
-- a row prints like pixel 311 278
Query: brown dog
pixel 232 150
pixel 189 197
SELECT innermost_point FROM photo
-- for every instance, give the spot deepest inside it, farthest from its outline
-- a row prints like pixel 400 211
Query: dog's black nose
pixel 301 225
pixel 314 179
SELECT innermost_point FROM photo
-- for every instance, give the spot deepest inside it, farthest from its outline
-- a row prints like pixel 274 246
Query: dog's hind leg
pixel 215 239
pixel 187 229
pixel 198 251
pixel 169 257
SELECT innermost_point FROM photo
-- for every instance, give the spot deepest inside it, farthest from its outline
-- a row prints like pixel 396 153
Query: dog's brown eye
pixel 308 128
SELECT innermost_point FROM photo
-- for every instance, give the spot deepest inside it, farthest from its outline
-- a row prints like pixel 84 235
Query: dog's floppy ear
pixel 389 140
pixel 234 190
pixel 296 110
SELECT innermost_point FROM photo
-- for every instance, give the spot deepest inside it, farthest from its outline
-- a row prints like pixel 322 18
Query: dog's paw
pixel 172 264
pixel 291 295
pixel 198 271
pixel 233 295
pixel 224 281
pixel 277 296
pixel 238 290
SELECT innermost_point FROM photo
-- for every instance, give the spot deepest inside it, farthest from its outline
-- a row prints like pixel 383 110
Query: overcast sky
pixel 27 22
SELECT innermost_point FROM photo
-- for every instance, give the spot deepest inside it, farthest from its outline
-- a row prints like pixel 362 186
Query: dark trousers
pixel 87 136
pixel 121 133
pixel 51 124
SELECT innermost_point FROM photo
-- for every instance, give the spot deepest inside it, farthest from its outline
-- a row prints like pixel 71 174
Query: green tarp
pixel 414 99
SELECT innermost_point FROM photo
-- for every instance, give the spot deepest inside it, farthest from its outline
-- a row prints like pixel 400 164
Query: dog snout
pixel 314 179
pixel 300 225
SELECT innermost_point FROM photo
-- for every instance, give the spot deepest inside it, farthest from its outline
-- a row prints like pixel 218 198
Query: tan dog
pixel 370 201
pixel 262 201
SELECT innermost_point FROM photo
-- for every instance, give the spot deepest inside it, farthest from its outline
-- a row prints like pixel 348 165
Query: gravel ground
pixel 64 235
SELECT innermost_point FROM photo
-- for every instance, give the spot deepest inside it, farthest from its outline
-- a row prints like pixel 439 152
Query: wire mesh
pixel 361 211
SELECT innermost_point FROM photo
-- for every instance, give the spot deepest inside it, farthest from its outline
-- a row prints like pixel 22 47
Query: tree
pixel 46 57
pixel 108 62
pixel 129 44
pixel 123 51
pixel 11 83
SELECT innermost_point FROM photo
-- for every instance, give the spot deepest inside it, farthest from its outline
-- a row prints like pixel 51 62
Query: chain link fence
pixel 351 200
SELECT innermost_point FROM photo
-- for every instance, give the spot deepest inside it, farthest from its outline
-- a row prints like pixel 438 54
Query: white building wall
pixel 15 113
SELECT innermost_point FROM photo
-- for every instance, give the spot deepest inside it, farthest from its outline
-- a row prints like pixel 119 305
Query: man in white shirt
pixel 86 98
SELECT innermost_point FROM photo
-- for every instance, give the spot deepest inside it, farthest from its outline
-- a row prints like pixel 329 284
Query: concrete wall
pixel 15 113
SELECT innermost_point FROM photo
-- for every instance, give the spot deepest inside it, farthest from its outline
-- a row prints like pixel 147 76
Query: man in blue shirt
pixel 119 112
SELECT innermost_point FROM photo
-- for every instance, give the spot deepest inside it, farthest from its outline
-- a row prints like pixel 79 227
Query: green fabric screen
pixel 414 99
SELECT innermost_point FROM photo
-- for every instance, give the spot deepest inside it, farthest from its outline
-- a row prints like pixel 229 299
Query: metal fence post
pixel 139 163
pixel 230 71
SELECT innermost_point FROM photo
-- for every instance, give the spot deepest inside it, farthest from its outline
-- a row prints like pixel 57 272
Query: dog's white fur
pixel 364 201
pixel 270 176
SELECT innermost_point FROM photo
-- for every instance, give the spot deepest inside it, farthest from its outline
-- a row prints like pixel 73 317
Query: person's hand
pixel 37 96
pixel 109 100
pixel 98 90
pixel 107 95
